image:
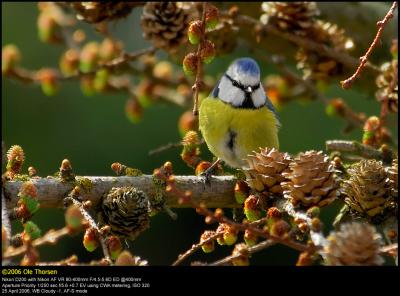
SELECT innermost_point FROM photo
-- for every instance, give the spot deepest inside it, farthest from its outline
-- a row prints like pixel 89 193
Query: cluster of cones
pixel 300 18
pixel 306 180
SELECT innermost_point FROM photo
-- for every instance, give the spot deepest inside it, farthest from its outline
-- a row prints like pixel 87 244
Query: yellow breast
pixel 233 133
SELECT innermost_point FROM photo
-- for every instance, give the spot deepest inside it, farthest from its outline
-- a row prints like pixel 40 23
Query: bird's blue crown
pixel 247 66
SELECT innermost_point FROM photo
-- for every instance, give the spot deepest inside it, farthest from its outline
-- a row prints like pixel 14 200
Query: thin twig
pixel 317 237
pixel 248 226
pixel 85 214
pixel 353 118
pixel 169 95
pixel 92 224
pixel 358 149
pixel 385 102
pixel 194 248
pixel 72 260
pixel 390 249
pixel 347 83
pixel 198 82
pixel 259 247
pixel 169 146
pixel 349 61
pixel 68 39
pixel 164 148
pixel 121 60
pixel 185 197
pixel 26 75
pixel 51 237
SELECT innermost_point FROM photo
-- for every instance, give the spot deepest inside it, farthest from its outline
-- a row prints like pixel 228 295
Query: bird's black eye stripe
pixel 239 85
pixel 255 87
pixel 234 82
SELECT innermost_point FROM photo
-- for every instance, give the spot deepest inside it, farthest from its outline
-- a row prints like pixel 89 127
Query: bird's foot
pixel 208 172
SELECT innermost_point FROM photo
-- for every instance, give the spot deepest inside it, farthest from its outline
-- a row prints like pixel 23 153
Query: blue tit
pixel 237 117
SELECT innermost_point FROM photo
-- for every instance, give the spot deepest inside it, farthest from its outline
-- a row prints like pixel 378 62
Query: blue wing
pixel 215 91
pixel 271 107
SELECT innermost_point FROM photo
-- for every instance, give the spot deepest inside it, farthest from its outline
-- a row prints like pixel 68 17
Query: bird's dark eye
pixel 234 82
pixel 255 87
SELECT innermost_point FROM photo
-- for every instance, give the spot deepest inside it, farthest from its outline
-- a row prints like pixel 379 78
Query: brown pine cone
pixel 294 17
pixel 355 244
pixel 367 190
pixel 316 66
pixel 387 83
pixel 95 12
pixel 165 25
pixel 264 172
pixel 310 180
pixel 126 210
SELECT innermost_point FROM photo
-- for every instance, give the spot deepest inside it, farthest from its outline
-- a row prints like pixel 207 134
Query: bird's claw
pixel 207 176
pixel 208 172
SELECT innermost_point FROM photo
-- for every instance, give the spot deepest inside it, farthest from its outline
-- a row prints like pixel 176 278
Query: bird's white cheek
pixel 237 98
pixel 259 97
pixel 230 94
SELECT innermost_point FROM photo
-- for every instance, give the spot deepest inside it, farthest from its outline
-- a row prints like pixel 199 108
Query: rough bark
pixel 51 191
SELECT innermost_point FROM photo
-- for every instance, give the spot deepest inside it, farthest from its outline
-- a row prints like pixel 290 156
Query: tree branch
pixel 365 14
pixel 169 146
pixel 349 115
pixel 347 60
pixel 364 59
pixel 199 74
pixel 92 224
pixel 121 60
pixel 277 42
pixel 389 249
pixel 164 148
pixel 70 261
pixel 359 149
pixel 51 237
pixel 28 76
pixel 248 226
pixel 259 247
pixel 51 191
pixel 194 248
pixel 317 237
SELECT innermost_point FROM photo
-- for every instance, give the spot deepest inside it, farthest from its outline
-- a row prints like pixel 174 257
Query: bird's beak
pixel 249 90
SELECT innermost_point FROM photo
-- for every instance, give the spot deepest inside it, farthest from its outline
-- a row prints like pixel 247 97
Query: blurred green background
pixel 93 132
